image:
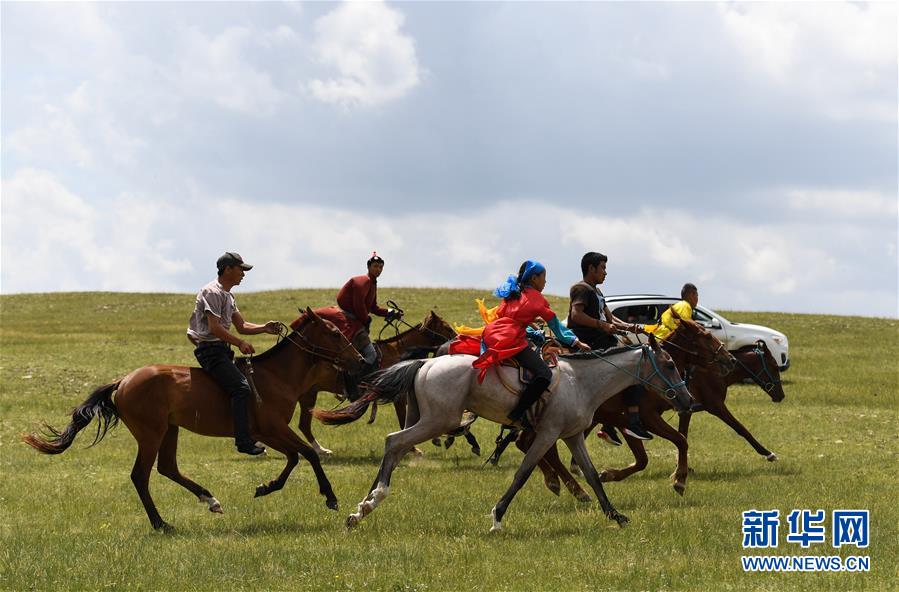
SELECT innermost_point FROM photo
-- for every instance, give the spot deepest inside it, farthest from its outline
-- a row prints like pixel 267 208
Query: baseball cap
pixel 230 259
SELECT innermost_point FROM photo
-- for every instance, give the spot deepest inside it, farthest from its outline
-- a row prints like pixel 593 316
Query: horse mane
pixel 270 352
pixel 599 353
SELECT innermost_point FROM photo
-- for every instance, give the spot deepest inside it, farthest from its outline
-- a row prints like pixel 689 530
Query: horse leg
pixel 399 405
pixel 473 442
pixel 723 413
pixel 537 450
pixel 147 450
pixel 640 462
pixel 279 436
pixel 307 402
pixel 653 422
pixel 579 451
pixel 550 477
pixel 396 446
pixel 574 488
pixel 168 467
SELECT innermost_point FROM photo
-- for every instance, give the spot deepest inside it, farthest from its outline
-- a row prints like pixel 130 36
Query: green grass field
pixel 74 521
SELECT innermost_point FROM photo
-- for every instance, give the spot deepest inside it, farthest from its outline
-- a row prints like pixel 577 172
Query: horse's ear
pixel 312 314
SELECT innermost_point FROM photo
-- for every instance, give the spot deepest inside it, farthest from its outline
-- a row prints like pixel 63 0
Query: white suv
pixel 648 308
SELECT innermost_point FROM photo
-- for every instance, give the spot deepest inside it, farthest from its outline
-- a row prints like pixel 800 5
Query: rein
pixel 765 386
pixel 302 342
pixel 670 392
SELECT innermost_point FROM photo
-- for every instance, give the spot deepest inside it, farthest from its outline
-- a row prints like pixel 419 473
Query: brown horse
pixel 709 388
pixel 417 341
pixel 154 401
pixel 690 346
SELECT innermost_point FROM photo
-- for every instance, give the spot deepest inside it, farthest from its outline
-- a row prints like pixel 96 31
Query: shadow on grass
pixel 257 529
pixel 739 474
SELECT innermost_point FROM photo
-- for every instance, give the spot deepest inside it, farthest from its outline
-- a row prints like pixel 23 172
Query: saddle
pixel 549 352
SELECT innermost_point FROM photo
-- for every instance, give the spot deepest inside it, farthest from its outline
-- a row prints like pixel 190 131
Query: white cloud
pixel 839 57
pixel 842 203
pixel 375 61
pixel 216 69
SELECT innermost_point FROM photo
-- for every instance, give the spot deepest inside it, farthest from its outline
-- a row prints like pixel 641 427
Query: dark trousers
pixel 531 360
pixel 217 359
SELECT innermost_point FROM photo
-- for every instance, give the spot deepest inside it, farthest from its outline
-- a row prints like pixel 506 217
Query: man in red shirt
pixel 358 300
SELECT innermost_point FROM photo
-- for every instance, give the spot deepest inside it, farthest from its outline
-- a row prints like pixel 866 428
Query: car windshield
pixel 721 316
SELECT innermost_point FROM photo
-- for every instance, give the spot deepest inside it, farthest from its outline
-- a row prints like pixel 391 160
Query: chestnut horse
pixel 415 342
pixel 154 401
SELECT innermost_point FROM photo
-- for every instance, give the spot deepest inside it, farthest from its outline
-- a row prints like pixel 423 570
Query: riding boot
pixel 242 439
pixel 528 397
pixel 635 427
pixel 608 435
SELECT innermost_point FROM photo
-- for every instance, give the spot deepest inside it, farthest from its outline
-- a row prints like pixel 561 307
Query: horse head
pixel 702 347
pixel 438 328
pixel 766 372
pixel 329 343
pixel 666 378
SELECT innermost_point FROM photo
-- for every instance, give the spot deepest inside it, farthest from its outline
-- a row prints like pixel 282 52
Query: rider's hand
pixel 273 327
pixel 246 348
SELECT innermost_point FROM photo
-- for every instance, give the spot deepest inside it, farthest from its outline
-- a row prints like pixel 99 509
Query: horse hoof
pixel 771 457
pixel 331 504
pixel 476 451
pixel 498 527
pixel 261 490
pixel 216 508
pixel 584 498
pixel 322 451
pixel 436 442
pixel 679 488
pixel 352 520
pixel 417 451
pixel 575 470
pixel 165 528
pixel 618 517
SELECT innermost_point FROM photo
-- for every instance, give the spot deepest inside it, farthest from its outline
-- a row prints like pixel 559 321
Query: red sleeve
pixel 546 313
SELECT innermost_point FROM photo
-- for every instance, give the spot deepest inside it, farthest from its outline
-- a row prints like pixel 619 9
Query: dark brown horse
pixel 689 346
pixel 154 401
pixel 709 388
pixel 416 341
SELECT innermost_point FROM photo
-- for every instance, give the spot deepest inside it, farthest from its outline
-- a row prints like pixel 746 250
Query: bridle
pixel 395 321
pixel 303 343
pixel 768 385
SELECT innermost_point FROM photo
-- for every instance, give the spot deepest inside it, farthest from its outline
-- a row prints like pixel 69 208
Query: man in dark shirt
pixel 591 320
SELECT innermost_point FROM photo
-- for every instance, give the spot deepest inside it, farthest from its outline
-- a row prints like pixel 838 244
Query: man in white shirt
pixel 209 330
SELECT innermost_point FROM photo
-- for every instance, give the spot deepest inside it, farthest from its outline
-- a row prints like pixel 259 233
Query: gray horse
pixel 440 389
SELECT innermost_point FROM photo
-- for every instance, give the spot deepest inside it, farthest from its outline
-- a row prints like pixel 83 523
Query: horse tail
pixel 384 385
pixel 99 404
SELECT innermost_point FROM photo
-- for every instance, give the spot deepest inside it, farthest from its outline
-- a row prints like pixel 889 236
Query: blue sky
pixel 748 148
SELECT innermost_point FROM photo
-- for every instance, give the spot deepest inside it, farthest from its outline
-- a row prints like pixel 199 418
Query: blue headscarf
pixel 512 286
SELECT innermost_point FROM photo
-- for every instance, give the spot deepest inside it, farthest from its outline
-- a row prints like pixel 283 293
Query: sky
pixel 749 148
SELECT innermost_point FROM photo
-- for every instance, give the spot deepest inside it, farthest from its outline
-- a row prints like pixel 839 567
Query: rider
pixel 591 320
pixel 669 322
pixel 358 300
pixel 506 336
pixel 209 330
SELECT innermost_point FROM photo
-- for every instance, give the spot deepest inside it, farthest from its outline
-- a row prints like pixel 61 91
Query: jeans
pixel 217 359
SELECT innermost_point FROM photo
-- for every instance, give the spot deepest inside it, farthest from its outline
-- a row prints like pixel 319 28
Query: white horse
pixel 440 389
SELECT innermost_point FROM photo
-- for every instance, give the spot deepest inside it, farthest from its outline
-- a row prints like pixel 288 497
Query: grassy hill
pixel 75 522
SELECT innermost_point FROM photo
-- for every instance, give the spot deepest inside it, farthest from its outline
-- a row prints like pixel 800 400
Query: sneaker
pixel 609 436
pixel 635 430
pixel 252 448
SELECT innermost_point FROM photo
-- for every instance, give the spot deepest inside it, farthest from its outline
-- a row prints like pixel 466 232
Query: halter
pixel 303 343
pixel 670 392
pixel 765 386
